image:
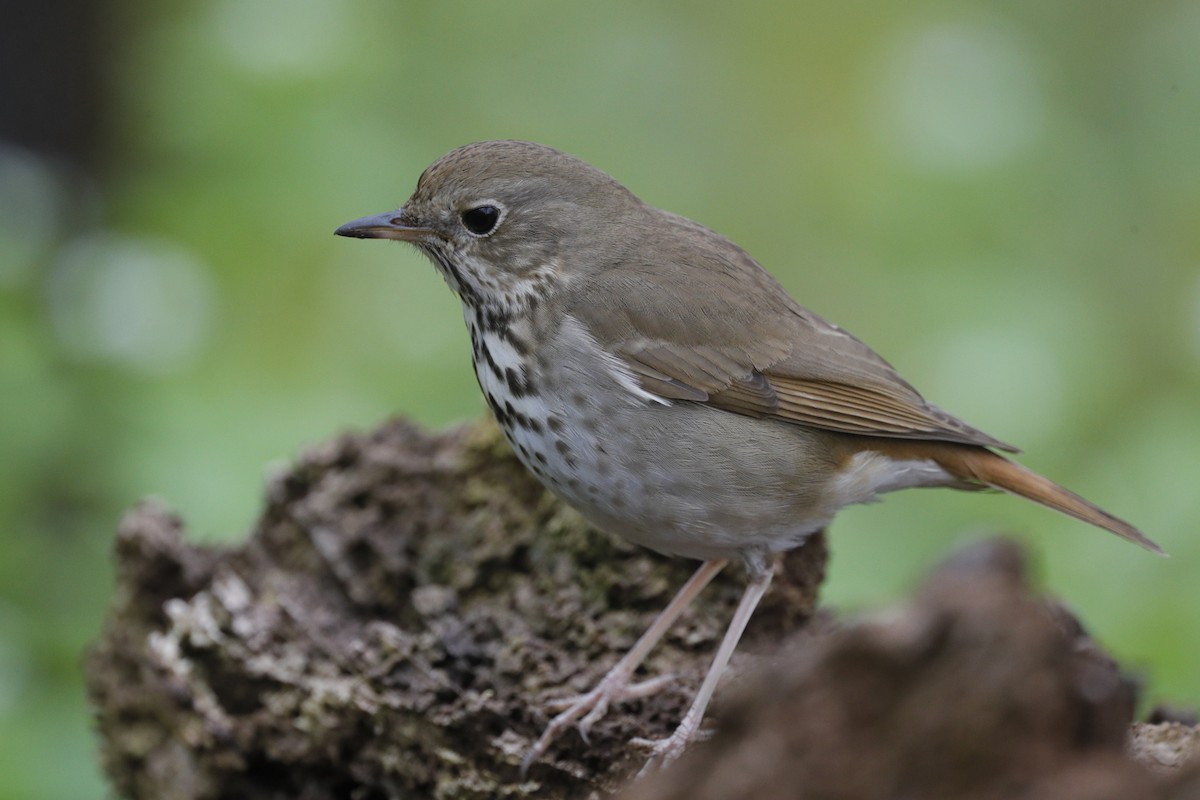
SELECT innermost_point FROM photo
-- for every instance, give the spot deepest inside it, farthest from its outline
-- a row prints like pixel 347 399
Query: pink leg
pixel 587 709
pixel 666 750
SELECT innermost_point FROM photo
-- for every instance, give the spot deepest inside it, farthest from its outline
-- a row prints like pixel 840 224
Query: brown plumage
pixel 654 376
pixel 993 470
pixel 778 359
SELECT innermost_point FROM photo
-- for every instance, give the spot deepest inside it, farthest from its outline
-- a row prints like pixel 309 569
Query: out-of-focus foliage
pixel 1001 197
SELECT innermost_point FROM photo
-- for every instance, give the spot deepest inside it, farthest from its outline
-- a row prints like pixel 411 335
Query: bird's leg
pixel 666 750
pixel 585 710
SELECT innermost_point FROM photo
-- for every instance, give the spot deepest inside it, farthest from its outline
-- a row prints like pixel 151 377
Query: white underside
pixel 870 474
pixel 696 481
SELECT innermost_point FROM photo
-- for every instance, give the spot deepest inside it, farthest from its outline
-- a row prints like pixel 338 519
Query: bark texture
pixel 408 603
pixel 975 690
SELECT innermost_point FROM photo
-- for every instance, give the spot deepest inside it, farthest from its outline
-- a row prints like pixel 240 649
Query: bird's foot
pixel 664 751
pixel 585 710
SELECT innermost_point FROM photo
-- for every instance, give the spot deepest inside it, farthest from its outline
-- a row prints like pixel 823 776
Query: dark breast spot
pixel 515 417
pixel 487 358
pixel 519 345
pixel 518 382
pixel 501 414
pixel 493 320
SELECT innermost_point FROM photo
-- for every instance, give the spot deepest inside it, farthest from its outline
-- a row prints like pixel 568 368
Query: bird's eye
pixel 481 220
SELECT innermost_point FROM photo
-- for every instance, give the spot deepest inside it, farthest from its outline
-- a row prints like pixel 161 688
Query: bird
pixel 654 376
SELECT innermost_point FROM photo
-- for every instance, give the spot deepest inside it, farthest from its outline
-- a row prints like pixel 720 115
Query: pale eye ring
pixel 481 220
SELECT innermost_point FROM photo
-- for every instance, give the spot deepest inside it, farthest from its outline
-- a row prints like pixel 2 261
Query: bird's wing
pixel 762 355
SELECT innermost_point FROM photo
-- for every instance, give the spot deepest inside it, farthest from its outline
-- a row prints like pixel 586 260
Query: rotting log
pixel 408 603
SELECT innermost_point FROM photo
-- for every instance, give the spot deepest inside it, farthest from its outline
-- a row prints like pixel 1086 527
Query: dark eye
pixel 481 220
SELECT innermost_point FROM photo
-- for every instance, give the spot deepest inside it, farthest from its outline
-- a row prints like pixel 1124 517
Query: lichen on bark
pixel 408 602
pixel 394 625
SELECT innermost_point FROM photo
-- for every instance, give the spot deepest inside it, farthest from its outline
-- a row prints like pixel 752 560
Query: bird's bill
pixel 383 226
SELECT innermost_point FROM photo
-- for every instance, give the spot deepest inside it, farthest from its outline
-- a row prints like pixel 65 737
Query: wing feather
pixel 762 356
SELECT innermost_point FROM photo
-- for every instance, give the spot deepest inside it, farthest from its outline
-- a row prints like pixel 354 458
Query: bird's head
pixel 502 220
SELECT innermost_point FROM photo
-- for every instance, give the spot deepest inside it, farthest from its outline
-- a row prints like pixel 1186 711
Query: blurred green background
pixel 1001 197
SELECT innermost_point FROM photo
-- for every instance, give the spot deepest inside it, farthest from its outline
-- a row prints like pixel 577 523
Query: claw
pixel 595 715
pixel 585 710
pixel 662 751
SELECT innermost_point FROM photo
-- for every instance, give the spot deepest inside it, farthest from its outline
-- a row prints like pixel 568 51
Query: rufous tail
pixel 988 468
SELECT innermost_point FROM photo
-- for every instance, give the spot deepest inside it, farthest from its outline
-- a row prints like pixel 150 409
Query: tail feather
pixel 996 471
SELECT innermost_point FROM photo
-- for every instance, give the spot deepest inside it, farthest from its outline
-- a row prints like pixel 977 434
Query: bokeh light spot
pixel 281 39
pixel 145 304
pixel 958 96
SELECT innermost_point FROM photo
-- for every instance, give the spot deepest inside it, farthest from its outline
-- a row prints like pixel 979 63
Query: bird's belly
pixel 683 479
pixel 678 477
pixel 705 483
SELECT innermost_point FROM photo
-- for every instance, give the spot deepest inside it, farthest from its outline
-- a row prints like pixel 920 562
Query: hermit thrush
pixel 654 376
